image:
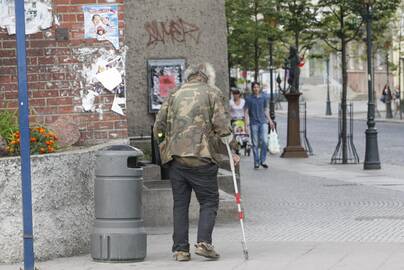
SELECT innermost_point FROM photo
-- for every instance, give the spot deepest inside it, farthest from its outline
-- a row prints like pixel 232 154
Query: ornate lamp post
pixel 271 73
pixel 372 151
pixel 271 23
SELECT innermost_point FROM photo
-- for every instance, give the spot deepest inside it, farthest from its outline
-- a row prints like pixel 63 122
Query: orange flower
pixel 49 142
pixel 41 130
pixel 13 142
pixel 42 150
pixel 50 149
pixel 33 139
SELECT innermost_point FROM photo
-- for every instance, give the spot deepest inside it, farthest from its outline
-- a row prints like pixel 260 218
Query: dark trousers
pixel 203 180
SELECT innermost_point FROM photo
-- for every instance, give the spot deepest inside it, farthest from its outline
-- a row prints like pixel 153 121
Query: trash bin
pixel 118 232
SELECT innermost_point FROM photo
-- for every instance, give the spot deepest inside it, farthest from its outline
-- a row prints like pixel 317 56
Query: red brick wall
pixel 53 85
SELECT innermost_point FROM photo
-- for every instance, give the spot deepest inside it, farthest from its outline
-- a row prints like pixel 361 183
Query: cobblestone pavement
pixel 284 205
pixel 301 214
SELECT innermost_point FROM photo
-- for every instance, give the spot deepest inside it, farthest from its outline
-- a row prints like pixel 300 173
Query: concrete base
pixel 158 202
pixel 294 152
pixel 63 203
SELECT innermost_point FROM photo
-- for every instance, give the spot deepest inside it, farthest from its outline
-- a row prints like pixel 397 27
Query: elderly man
pixel 194 120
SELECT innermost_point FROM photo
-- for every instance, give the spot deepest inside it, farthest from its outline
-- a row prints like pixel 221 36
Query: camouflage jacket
pixel 193 119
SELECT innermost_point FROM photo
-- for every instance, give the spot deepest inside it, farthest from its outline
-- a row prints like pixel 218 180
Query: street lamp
pixel 372 151
pixel 271 23
pixel 271 74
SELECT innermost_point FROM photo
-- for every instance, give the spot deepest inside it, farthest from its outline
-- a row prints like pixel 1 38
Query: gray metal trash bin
pixel 118 232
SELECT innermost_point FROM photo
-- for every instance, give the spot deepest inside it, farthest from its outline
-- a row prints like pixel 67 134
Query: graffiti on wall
pixel 174 30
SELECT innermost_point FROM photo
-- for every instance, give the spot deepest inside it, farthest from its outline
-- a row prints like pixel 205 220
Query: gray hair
pixel 204 70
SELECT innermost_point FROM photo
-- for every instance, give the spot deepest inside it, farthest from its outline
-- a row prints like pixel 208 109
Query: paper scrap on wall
pixel 38 16
pixel 103 72
pixel 101 22
pixel 110 78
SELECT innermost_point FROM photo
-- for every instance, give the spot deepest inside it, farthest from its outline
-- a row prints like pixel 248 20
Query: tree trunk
pixel 389 111
pixel 344 93
pixel 256 59
pixel 256 45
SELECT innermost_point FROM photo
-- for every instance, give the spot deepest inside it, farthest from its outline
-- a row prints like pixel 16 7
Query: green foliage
pixel 299 23
pixel 343 21
pixel 8 125
pixel 252 23
pixel 249 27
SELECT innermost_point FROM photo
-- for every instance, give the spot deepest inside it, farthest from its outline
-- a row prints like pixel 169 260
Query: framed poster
pixel 164 75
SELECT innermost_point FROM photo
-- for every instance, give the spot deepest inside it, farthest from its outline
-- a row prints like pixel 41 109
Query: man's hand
pixel 227 139
pixel 271 124
pixel 236 159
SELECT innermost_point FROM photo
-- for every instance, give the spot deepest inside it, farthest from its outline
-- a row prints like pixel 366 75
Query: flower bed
pixel 63 204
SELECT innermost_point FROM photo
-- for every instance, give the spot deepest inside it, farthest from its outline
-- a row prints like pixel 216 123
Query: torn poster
pixel 88 101
pixel 38 16
pixel 101 22
pixel 118 105
pixel 110 78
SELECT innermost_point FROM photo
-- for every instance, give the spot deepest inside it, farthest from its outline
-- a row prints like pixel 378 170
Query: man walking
pixel 194 120
pixel 257 116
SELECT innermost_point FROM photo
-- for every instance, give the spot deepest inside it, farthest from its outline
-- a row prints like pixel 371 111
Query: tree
pixel 299 24
pixel 341 22
pixel 248 32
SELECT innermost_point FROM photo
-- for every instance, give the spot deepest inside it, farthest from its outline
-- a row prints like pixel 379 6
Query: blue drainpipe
pixel 24 136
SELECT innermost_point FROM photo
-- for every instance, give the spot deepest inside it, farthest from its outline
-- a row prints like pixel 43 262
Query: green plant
pixel 42 141
pixel 8 125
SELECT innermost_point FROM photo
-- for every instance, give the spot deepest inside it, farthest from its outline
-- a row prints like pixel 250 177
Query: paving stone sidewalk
pixel 300 214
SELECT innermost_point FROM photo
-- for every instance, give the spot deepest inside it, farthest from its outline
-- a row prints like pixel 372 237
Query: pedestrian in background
pixel 194 120
pixel 257 117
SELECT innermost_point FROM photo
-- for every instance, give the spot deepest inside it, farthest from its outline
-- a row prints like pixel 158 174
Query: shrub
pixel 42 141
pixel 8 125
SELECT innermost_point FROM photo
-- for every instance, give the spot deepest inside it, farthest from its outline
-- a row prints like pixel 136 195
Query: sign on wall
pixel 164 75
pixel 101 22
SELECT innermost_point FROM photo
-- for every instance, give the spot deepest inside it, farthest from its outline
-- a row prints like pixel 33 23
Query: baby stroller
pixel 241 136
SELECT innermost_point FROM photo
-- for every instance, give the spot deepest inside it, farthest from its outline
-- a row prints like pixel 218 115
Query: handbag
pixel 273 142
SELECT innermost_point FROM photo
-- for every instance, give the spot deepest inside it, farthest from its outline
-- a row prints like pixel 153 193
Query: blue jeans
pixel 259 139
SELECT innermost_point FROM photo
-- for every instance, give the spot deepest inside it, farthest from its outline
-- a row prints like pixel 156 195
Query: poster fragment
pixel 38 16
pixel 101 22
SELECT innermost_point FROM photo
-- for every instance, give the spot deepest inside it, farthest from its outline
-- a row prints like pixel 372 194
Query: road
pixel 323 136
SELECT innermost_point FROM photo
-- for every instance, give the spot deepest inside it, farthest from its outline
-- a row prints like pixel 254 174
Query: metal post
pixel 24 136
pixel 328 107
pixel 372 152
pixel 271 71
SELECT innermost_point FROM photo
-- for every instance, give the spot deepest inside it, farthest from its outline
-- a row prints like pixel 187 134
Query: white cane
pixel 238 201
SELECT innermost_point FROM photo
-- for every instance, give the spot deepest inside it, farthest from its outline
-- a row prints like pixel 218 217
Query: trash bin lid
pixel 120 150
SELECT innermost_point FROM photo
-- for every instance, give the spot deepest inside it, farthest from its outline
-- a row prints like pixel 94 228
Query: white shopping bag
pixel 273 142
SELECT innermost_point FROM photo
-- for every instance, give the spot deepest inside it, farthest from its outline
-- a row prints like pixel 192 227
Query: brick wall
pixel 54 80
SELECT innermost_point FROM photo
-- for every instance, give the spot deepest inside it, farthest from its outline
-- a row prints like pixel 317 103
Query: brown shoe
pixel 182 256
pixel 206 250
